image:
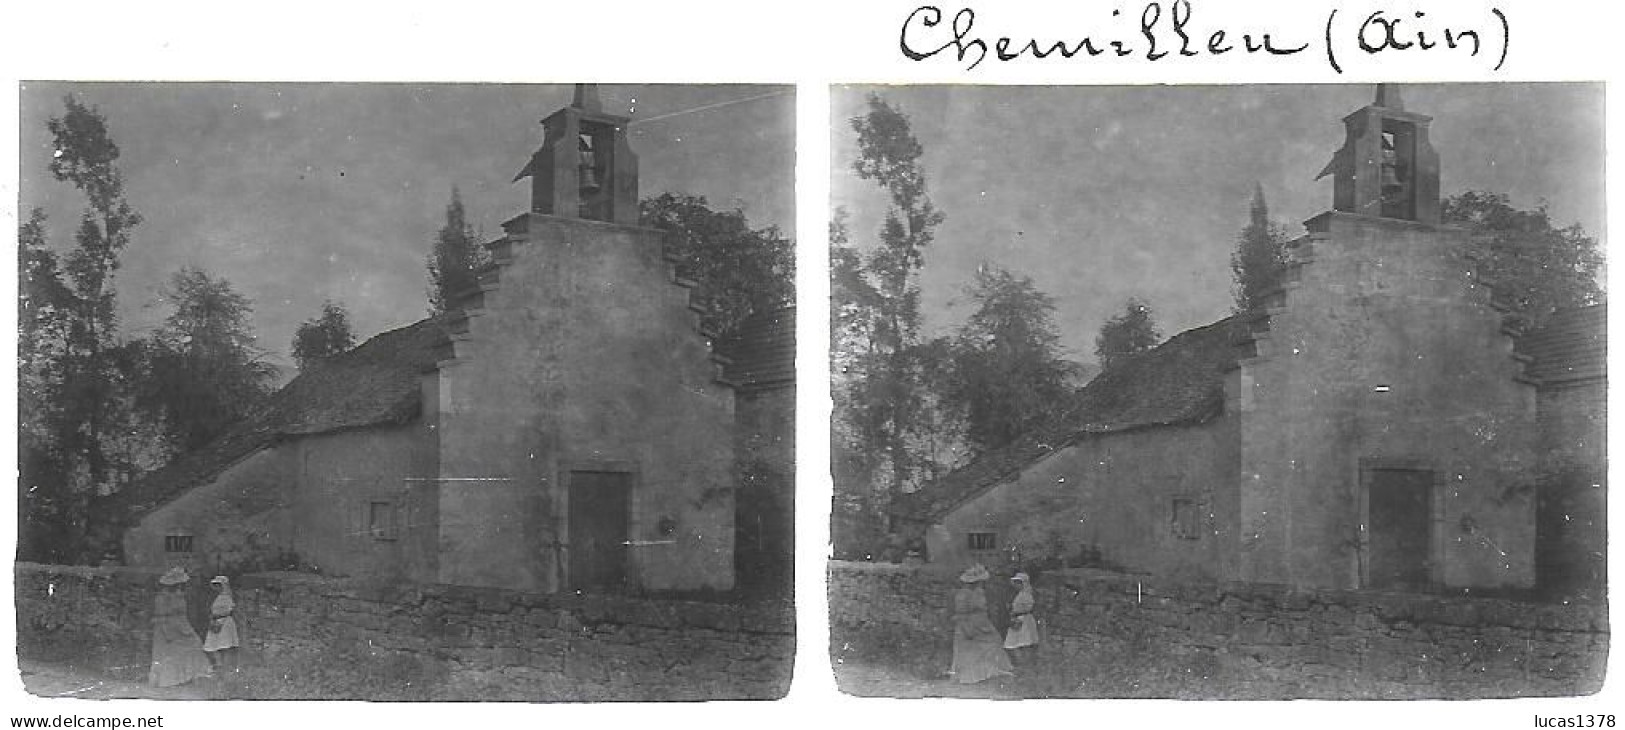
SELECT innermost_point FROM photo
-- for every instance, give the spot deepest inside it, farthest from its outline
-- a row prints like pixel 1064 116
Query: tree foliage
pixel 1260 255
pixel 203 367
pixel 1007 359
pixel 323 336
pixel 456 259
pixel 1534 266
pixel 45 504
pixel 70 367
pixel 881 400
pixel 44 315
pixel 1129 333
pixel 889 431
pixel 739 269
pixel 86 156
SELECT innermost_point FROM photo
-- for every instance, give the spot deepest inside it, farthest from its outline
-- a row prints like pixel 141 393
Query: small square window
pixel 177 543
pixel 1187 519
pixel 381 520
pixel 984 541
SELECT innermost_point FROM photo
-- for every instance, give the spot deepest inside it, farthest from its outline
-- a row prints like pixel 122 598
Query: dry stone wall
pixel 1114 635
pixel 313 637
pixel 95 618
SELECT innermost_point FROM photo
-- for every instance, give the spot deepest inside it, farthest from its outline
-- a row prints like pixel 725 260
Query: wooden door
pixel 1399 521
pixel 599 516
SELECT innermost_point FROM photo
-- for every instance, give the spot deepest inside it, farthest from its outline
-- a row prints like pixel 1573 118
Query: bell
pixel 589 162
pixel 1390 178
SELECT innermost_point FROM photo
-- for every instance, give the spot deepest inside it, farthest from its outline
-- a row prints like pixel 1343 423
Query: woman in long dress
pixel 978 647
pixel 222 641
pixel 177 653
pixel 1022 639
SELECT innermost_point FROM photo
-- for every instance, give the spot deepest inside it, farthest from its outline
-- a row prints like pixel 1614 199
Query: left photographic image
pixel 406 392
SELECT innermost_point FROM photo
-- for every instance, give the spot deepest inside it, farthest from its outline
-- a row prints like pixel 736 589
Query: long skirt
pixel 979 658
pixel 177 655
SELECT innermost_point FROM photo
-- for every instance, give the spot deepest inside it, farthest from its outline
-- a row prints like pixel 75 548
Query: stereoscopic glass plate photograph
pixel 1218 392
pixel 406 392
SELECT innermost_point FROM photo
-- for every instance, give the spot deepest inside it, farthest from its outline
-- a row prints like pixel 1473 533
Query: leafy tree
pixel 739 269
pixel 1535 267
pixel 86 156
pixel 44 311
pixel 876 302
pixel 855 525
pixel 457 257
pixel 203 368
pixel 853 302
pixel 69 363
pixel 323 336
pixel 1132 332
pixel 1007 358
pixel 44 308
pixel 1260 255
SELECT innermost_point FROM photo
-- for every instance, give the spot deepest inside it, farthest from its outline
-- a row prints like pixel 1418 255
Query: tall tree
pixel 883 400
pixel 457 257
pixel 1535 267
pixel 1129 333
pixel 1260 255
pixel 323 336
pixel 204 369
pixel 68 360
pixel 739 269
pixel 86 156
pixel 1007 358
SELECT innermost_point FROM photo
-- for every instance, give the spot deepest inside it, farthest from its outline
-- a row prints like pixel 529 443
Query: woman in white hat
pixel 1022 639
pixel 221 643
pixel 177 653
pixel 978 653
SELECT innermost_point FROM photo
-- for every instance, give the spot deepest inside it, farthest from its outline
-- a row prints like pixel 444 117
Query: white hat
pixel 1019 577
pixel 220 579
pixel 174 577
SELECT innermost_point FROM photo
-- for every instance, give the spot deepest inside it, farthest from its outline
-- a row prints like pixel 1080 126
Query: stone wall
pixel 96 618
pixel 1123 636
pixel 1572 552
pixel 765 504
pixel 319 638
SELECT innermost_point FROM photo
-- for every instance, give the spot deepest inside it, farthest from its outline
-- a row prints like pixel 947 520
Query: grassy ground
pixel 1112 668
pixel 58 679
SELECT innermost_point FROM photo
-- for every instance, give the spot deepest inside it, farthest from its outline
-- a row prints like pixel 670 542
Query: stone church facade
pixel 1369 426
pixel 566 426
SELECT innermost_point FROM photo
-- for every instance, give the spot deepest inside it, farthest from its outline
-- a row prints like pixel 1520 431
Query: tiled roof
pixel 374 383
pixel 1180 381
pixel 1571 346
pixel 378 383
pixel 761 353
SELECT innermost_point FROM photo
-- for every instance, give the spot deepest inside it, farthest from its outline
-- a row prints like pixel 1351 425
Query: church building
pixel 1369 425
pixel 565 426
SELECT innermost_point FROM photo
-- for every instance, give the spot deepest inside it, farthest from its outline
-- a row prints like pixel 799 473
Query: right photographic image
pixel 1219 392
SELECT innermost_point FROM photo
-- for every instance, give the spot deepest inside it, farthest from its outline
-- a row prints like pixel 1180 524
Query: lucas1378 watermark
pixel 1575 721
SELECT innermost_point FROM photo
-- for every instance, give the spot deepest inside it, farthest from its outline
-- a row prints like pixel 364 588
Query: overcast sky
pixel 301 192
pixel 1101 193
